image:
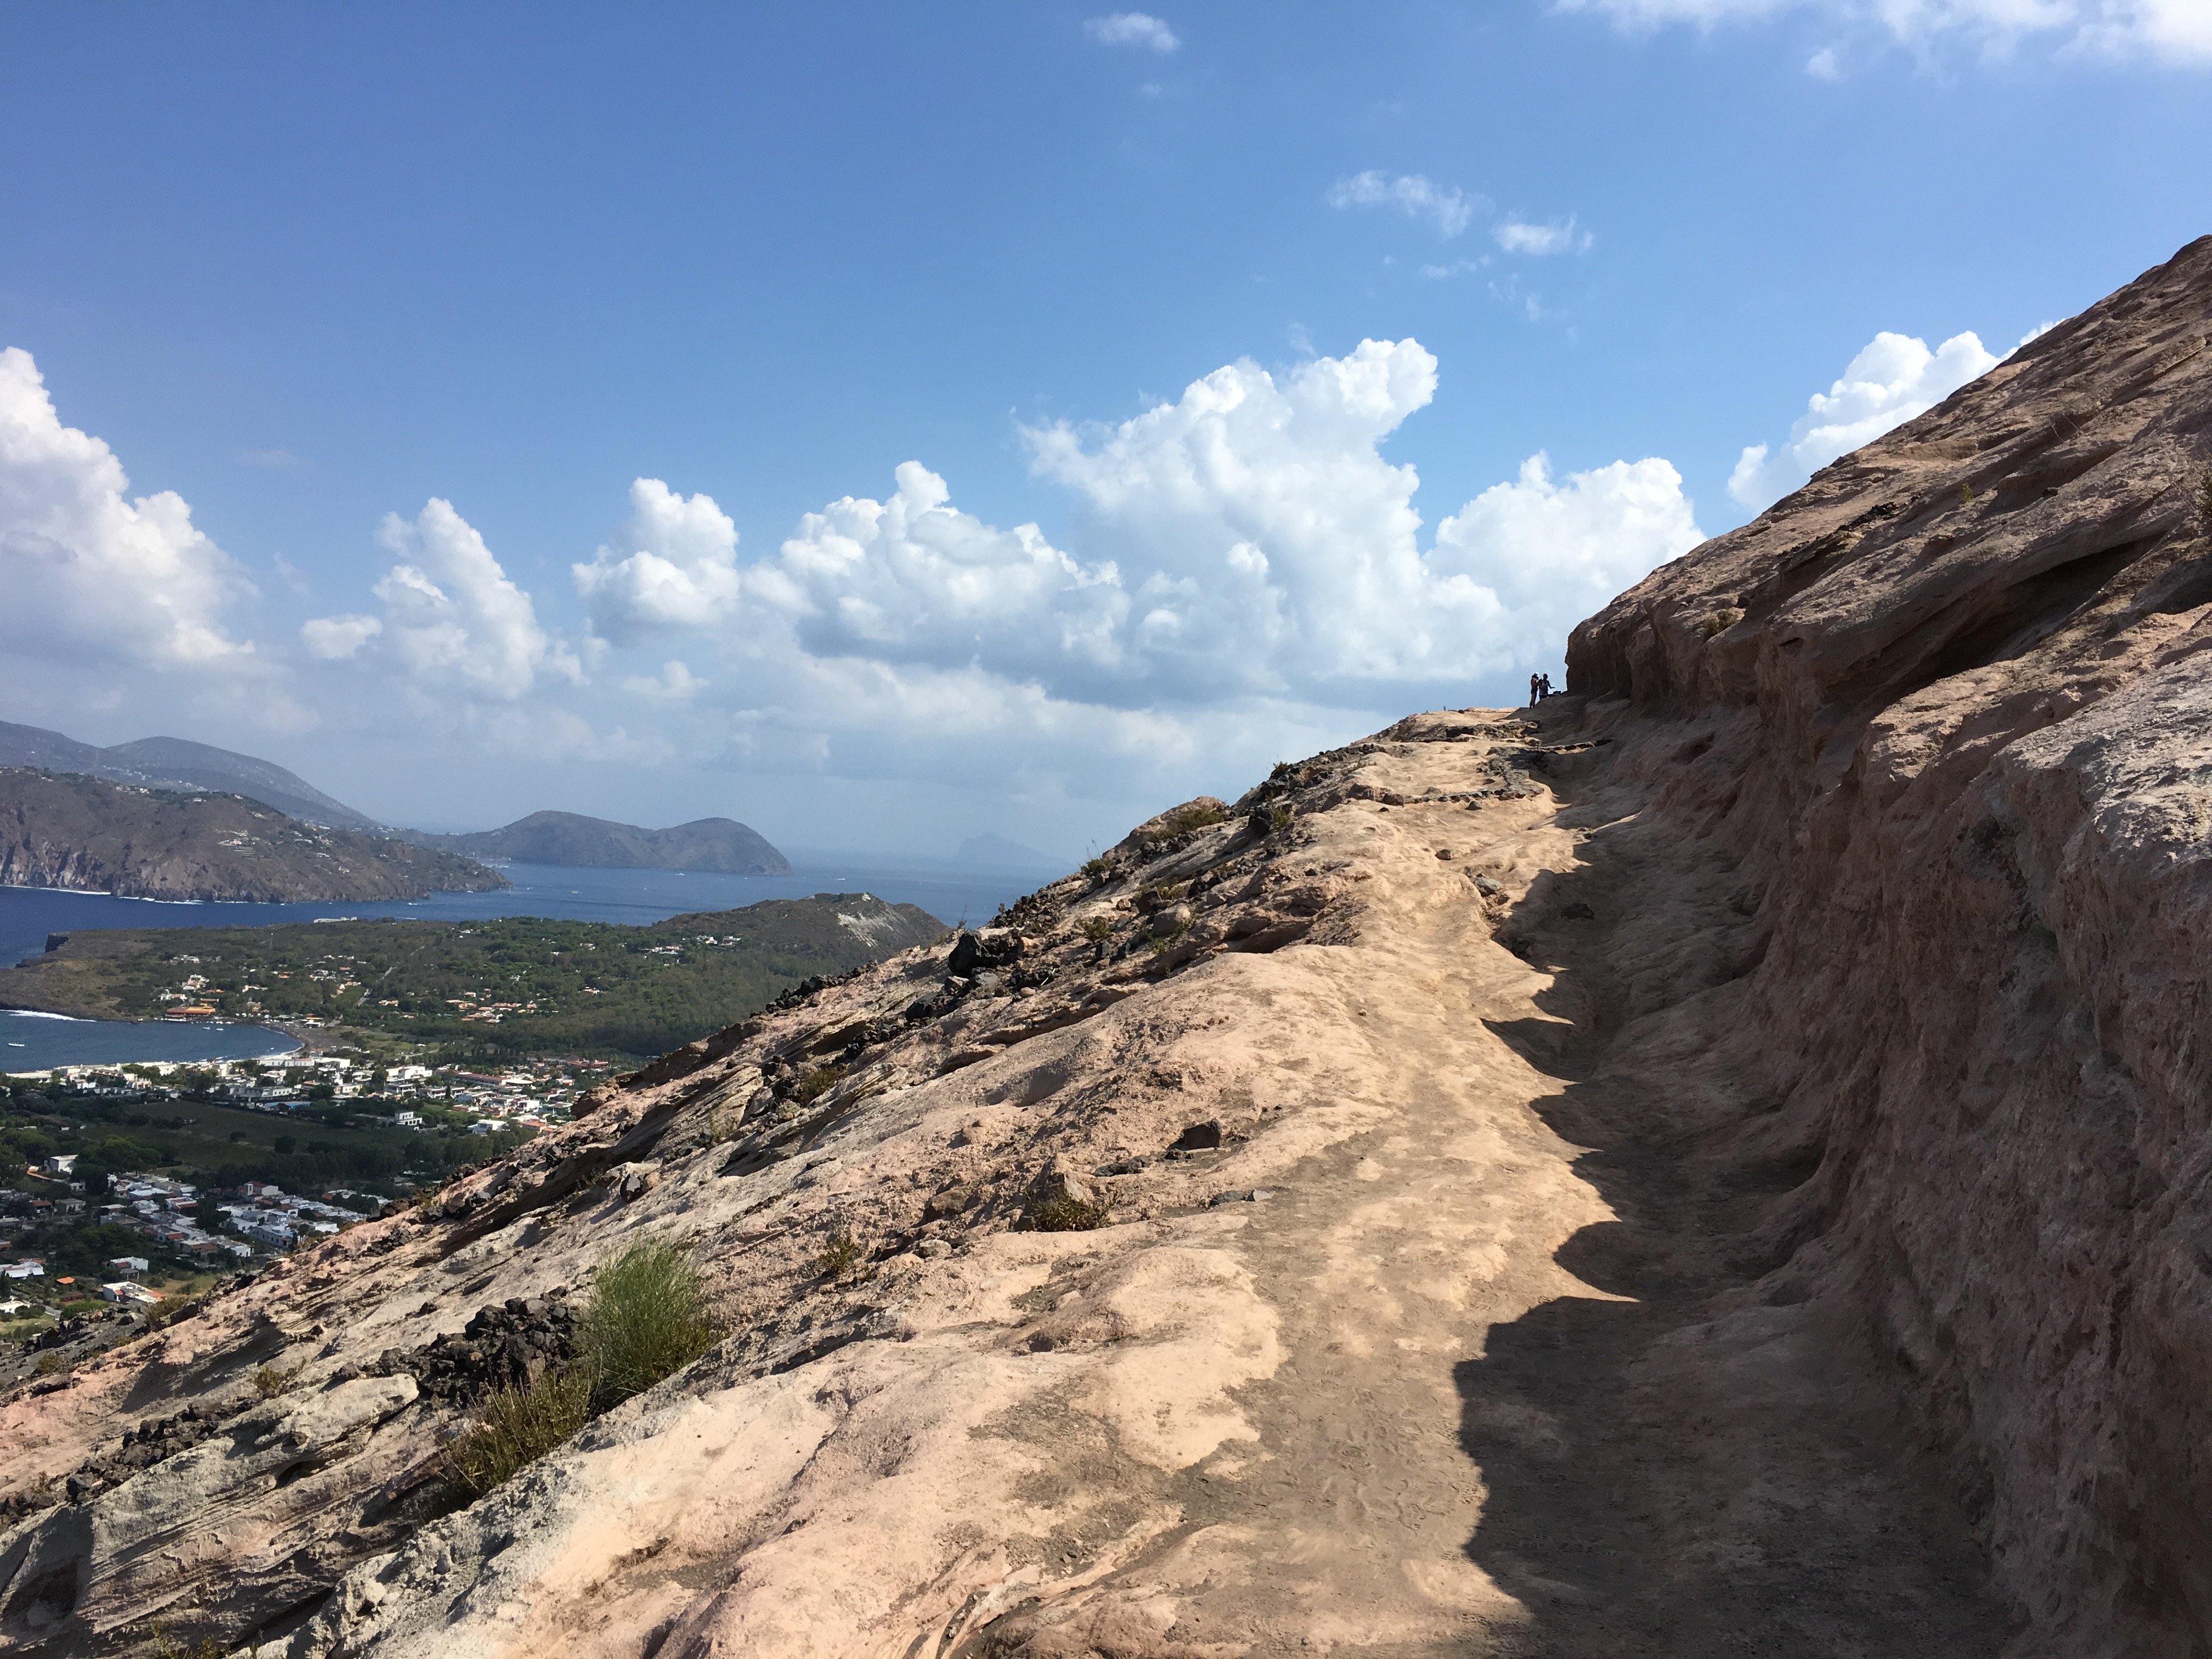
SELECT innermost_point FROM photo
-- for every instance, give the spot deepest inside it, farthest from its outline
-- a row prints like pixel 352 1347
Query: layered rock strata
pixel 1950 704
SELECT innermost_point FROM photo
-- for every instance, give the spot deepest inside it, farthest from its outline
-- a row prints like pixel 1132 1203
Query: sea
pixel 31 1043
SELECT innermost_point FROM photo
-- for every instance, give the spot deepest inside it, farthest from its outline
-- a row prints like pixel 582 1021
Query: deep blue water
pixel 31 1043
pixel 28 915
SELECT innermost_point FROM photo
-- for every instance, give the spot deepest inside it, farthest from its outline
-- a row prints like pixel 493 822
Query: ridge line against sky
pixel 1043 621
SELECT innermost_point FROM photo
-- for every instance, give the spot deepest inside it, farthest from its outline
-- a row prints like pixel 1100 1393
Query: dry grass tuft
pixel 517 1427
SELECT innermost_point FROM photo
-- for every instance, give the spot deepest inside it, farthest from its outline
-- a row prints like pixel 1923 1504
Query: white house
pixel 127 1264
pixel 123 1290
pixel 27 1269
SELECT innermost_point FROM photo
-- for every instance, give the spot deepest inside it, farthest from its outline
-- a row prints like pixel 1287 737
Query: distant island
pixel 179 764
pixel 722 845
pixel 87 835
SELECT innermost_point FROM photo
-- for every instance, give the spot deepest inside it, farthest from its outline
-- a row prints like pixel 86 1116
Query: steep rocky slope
pixel 1711 1164
pixel 63 830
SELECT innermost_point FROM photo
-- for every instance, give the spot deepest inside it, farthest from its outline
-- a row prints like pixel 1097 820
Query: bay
pixel 632 897
pixel 34 1043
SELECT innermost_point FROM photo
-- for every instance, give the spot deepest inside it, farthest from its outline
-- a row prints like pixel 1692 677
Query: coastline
pixel 55 1040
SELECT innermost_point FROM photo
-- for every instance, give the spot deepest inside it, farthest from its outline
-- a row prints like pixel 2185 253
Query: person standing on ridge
pixel 1535 691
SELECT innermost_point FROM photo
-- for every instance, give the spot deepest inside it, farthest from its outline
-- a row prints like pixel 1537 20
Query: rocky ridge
pixel 1710 1164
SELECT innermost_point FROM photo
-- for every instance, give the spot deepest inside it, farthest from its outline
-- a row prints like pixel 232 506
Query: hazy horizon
pixel 885 426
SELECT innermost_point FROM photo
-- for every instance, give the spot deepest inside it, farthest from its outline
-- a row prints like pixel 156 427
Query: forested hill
pixel 513 986
pixel 68 830
pixel 715 844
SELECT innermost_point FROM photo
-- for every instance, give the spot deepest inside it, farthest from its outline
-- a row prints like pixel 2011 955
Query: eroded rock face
pixel 1686 1170
pixel 1950 705
pixel 230 1521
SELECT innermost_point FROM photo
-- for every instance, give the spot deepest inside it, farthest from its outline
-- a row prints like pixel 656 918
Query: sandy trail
pixel 1525 1402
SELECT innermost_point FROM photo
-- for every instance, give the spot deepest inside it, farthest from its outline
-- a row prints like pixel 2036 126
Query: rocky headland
pixel 66 829
pixel 716 844
pixel 1714 1164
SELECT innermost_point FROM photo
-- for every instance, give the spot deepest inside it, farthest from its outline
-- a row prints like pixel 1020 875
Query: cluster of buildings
pixel 533 1094
pixel 171 1215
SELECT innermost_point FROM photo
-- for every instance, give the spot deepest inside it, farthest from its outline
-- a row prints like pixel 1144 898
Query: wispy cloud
pixel 1517 236
pixel 276 460
pixel 1132 28
pixel 1447 207
pixel 2172 31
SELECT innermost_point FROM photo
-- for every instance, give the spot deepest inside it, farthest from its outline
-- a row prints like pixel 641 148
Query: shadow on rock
pixel 1675 1463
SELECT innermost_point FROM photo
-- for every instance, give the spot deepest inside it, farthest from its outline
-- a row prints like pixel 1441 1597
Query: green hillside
pixel 521 985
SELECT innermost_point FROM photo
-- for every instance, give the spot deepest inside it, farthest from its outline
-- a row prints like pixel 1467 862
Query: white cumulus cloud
pixel 1245 545
pixel 673 564
pixel 453 622
pixel 1895 378
pixel 1447 207
pixel 333 639
pixel 912 580
pixel 675 683
pixel 1132 28
pixel 87 571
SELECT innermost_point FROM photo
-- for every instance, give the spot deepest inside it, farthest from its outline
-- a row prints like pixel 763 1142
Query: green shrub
pixel 517 1427
pixel 816 1082
pixel 840 1256
pixel 1195 817
pixel 646 1319
pixel 1063 1214
pixel 2204 501
pixel 1097 929
pixel 269 1382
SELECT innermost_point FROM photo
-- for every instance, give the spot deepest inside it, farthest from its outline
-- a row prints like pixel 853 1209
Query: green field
pixel 512 986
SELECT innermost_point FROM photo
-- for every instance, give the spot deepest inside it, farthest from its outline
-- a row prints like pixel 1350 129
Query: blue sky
pixel 306 268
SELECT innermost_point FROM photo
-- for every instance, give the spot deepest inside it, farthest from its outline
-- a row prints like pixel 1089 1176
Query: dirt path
pixel 1525 1403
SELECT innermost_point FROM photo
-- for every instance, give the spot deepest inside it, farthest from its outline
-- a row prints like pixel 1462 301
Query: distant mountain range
pixel 176 763
pixel 87 835
pixel 717 844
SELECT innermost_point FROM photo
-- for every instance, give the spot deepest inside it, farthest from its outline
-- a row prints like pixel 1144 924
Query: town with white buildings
pixel 186 1229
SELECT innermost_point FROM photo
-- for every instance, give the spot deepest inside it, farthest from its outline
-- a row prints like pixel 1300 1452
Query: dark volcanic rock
pixel 506 1345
